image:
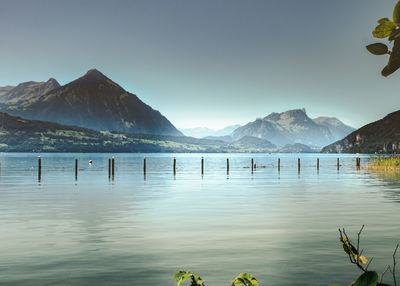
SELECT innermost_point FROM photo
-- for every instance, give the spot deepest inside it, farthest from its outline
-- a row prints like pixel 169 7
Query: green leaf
pixel 383 20
pixel 378 49
pixel 183 279
pixel 179 274
pixel 384 29
pixel 394 60
pixel 182 276
pixel 196 280
pixel 395 34
pixel 369 278
pixel 244 279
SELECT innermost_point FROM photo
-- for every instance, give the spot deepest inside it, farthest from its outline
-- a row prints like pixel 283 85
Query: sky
pixel 209 62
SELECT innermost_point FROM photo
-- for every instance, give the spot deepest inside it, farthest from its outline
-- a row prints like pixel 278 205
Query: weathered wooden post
pixel 227 165
pixel 358 162
pixel 252 165
pixel 298 164
pixel 279 164
pixel 202 165
pixel 144 165
pixel 112 167
pixel 338 164
pixel 318 164
pixel 39 168
pixel 174 166
pixel 109 168
pixel 76 169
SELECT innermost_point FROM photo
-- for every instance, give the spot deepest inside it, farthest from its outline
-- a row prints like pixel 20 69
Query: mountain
pixel 91 101
pixel 22 135
pixel 226 138
pixel 254 142
pixel 298 148
pixel 5 89
pixel 291 127
pixel 338 129
pixel 202 132
pixel 26 92
pixel 382 136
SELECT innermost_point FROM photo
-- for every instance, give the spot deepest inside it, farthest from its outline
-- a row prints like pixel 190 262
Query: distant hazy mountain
pixel 226 138
pixel 291 127
pixel 337 128
pixel 298 148
pixel 4 90
pixel 92 101
pixel 382 136
pixel 22 135
pixel 201 132
pixel 254 142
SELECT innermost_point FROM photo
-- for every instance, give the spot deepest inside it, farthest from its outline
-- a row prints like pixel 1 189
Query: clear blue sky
pixel 209 62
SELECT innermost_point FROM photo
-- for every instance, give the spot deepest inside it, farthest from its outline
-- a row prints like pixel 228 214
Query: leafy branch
pixel 243 279
pixel 391 30
pixel 368 278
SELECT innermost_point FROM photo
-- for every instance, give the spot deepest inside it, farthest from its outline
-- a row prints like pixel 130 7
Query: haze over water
pixel 136 230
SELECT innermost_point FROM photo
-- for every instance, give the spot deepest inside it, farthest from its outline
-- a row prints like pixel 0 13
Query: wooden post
pixel 174 166
pixel 338 164
pixel 76 168
pixel 298 164
pixel 112 166
pixel 279 164
pixel 109 168
pixel 39 168
pixel 227 165
pixel 252 165
pixel 202 165
pixel 318 164
pixel 358 162
pixel 144 165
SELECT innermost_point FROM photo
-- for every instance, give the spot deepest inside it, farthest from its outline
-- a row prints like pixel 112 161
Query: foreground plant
pixel 388 29
pixel 243 279
pixel 353 251
pixel 355 254
pixel 182 276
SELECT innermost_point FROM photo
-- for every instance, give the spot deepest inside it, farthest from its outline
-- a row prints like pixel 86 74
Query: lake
pixel 140 230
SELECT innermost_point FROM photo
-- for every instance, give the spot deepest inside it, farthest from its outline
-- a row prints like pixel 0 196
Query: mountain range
pixel 382 136
pixel 91 101
pixel 96 103
pixel 294 126
pixel 23 135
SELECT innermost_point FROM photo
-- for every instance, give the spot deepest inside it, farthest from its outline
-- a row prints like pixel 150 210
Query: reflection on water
pixel 391 180
pixel 140 230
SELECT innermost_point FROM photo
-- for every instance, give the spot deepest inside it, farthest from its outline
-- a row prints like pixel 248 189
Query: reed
pixel 385 163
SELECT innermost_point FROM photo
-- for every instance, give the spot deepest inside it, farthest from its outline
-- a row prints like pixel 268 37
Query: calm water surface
pixel 136 230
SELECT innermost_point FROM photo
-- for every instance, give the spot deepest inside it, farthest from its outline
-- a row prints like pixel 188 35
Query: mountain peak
pixel 93 71
pixel 294 113
pixel 94 75
pixel 53 82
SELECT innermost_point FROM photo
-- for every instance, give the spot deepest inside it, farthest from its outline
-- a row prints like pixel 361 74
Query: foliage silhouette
pixel 388 29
